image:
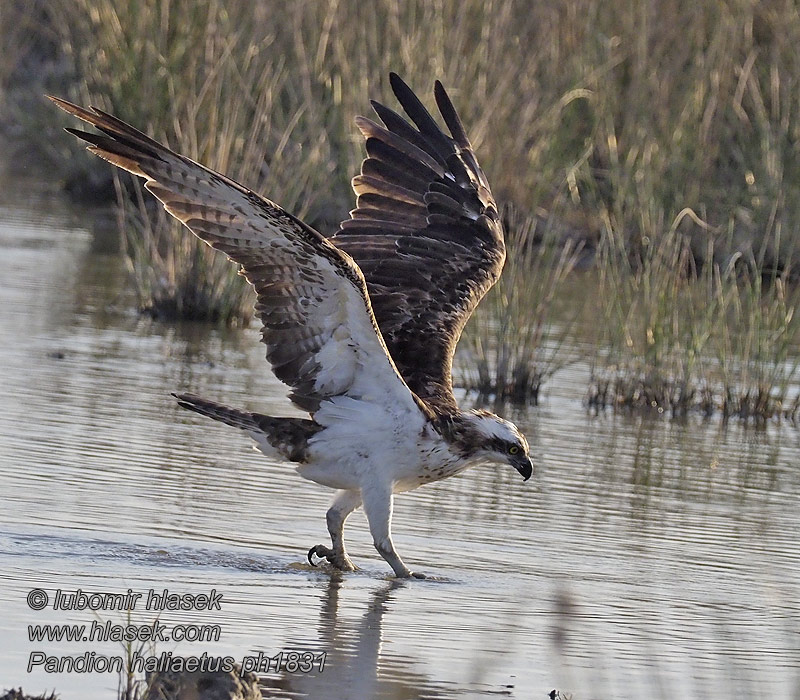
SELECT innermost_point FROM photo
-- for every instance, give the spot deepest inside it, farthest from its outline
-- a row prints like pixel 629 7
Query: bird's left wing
pixel 427 235
pixel 321 336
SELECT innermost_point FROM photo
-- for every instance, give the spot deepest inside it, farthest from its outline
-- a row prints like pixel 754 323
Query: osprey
pixel 362 326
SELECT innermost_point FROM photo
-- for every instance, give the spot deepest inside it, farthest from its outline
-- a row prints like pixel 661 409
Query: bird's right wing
pixel 321 336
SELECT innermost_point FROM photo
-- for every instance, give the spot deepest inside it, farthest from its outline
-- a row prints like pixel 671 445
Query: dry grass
pixel 680 338
pixel 610 120
pixel 204 79
pixel 267 92
pixel 512 344
pixel 630 115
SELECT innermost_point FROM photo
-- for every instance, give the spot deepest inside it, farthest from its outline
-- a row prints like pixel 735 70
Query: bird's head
pixel 498 439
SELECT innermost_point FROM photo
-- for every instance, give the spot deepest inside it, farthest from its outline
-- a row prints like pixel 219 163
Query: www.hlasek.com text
pixel 112 632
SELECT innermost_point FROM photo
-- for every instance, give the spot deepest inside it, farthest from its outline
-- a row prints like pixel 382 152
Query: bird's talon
pixel 419 576
pixel 319 550
pixel 341 562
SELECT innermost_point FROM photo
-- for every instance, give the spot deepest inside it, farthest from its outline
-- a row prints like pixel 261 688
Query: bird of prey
pixel 362 326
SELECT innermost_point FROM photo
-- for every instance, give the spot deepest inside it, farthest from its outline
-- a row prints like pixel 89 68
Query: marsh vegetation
pixel 658 146
pixel 676 555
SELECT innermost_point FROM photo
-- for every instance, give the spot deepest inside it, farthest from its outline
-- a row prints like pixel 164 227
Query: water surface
pixel 647 558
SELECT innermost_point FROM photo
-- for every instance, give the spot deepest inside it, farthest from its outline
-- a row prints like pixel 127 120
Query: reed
pixel 656 322
pixel 714 339
pixel 686 175
pixel 756 346
pixel 685 104
pixel 513 345
pixel 204 79
pixel 271 102
pixel 607 122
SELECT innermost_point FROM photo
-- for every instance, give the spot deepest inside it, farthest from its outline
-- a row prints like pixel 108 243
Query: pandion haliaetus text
pixel 362 326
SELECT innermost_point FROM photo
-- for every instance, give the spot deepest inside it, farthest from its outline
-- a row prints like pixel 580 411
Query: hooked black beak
pixel 524 466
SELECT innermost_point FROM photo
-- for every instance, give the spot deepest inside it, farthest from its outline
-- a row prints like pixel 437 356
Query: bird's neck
pixel 459 431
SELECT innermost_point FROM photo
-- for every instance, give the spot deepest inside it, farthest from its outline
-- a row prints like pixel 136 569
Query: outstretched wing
pixel 321 336
pixel 426 234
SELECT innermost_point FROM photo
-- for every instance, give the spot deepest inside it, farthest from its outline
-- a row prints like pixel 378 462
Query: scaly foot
pixel 338 559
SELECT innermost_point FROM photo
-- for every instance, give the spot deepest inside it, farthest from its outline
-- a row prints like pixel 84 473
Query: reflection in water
pixel 354 666
pixel 653 558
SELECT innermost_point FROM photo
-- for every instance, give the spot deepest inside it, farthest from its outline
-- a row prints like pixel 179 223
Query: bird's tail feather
pixel 285 436
pixel 217 411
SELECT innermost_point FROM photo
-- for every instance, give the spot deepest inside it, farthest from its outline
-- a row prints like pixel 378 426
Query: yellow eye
pixel 513 450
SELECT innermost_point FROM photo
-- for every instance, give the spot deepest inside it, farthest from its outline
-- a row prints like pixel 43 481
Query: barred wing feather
pixel 321 336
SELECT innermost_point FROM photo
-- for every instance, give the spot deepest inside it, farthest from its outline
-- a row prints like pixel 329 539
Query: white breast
pixel 364 442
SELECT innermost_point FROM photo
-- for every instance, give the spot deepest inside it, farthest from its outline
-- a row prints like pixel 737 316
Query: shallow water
pixel 646 558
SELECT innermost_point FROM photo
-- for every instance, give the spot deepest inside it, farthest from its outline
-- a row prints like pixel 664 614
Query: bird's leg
pixel 344 503
pixel 378 508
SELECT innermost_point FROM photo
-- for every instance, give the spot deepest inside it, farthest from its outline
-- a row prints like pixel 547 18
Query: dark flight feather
pixel 426 234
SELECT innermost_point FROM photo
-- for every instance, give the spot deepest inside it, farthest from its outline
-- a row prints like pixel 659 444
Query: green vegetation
pixel 513 346
pixel 680 337
pixel 661 136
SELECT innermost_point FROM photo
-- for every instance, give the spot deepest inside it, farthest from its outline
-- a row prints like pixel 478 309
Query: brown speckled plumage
pixel 291 266
pixel 460 432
